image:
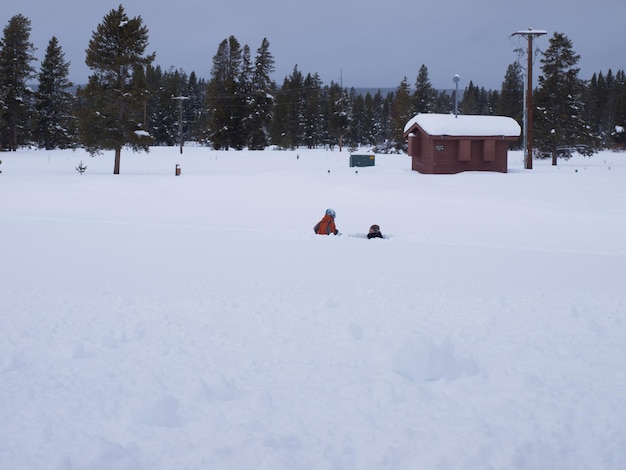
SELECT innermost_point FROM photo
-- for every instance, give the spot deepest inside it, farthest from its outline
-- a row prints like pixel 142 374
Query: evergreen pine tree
pixel 402 112
pixel 223 97
pixel 261 98
pixel 239 93
pixel 287 130
pixel 444 102
pixel 356 130
pixel 16 98
pixel 337 114
pixel 597 106
pixel 383 132
pixel 369 124
pixel 424 94
pixel 158 120
pixel 111 115
pixel 280 117
pixel 380 118
pixel 164 103
pixel 194 110
pixel 177 84
pixel 313 118
pixel 245 87
pixel 470 103
pixel 55 122
pixel 559 122
pixel 493 98
pixel 602 102
pixel 511 100
pixel 619 97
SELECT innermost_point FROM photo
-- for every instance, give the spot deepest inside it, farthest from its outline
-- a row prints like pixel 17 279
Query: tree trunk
pixel 554 155
pixel 118 154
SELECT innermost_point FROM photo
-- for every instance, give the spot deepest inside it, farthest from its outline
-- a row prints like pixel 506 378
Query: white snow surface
pixel 153 321
pixel 465 125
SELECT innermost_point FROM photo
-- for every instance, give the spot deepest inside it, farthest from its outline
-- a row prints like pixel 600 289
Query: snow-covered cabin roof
pixel 465 125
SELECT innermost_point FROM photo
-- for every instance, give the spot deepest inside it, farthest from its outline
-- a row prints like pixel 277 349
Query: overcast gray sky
pixel 370 43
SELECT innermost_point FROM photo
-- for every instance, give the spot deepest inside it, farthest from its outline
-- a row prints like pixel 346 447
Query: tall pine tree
pixel 337 114
pixel 261 99
pixel 111 115
pixel 55 122
pixel 511 98
pixel 401 112
pixel 225 103
pixel 287 130
pixel 379 109
pixel 314 129
pixel 604 99
pixel 512 93
pixel 369 124
pixel 619 98
pixel 193 110
pixel 16 98
pixel 559 122
pixel 424 94
pixel 477 101
pixel 168 92
pixel 356 131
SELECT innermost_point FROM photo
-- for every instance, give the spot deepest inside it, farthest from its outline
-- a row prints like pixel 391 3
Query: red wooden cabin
pixel 447 144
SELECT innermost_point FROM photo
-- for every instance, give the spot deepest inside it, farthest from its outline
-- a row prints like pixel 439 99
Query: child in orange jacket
pixel 326 226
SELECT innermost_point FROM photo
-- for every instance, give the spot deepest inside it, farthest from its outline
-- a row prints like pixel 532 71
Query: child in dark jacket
pixel 374 232
pixel 326 226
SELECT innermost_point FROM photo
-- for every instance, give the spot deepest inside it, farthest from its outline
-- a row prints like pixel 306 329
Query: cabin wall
pixel 469 154
pixel 421 153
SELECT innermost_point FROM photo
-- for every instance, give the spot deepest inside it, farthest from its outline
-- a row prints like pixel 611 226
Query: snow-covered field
pixel 153 321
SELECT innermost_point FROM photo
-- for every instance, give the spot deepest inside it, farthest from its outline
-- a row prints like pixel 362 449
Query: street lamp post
pixel 456 79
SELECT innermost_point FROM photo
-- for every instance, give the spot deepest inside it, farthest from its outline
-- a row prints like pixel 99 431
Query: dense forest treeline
pixel 130 101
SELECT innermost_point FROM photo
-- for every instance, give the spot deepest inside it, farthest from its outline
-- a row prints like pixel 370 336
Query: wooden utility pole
pixel 180 119
pixel 528 124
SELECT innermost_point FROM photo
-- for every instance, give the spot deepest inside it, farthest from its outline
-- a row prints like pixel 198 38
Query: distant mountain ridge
pixel 385 91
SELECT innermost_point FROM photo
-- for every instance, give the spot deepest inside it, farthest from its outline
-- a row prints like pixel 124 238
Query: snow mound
pixel 102 454
pixel 421 359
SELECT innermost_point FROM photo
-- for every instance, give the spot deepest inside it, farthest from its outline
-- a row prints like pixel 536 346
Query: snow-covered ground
pixel 153 321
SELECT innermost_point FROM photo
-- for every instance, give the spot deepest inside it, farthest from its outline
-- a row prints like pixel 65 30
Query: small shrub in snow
pixel 81 168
